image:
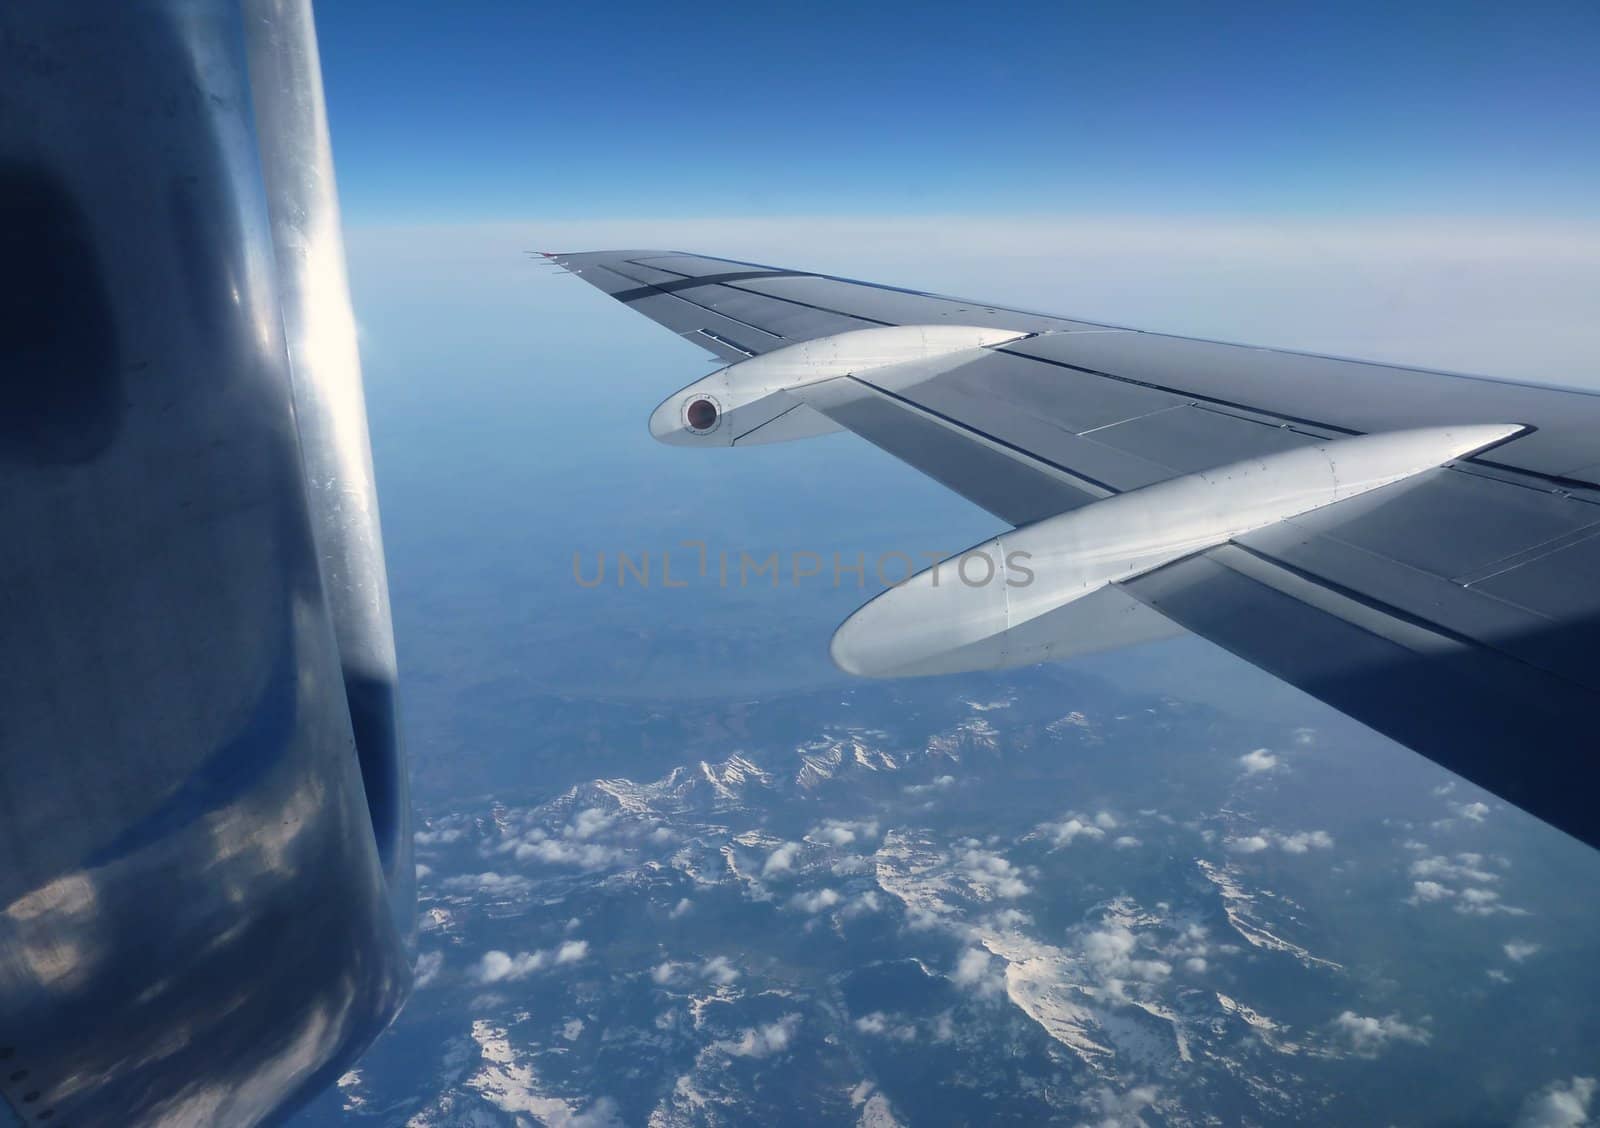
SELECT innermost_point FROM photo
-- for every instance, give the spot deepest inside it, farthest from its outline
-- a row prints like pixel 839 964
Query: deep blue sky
pixel 498 110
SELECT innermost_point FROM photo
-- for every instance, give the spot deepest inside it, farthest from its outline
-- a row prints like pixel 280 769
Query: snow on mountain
pixel 825 759
pixel 1241 910
pixel 1117 991
pixel 813 920
pixel 975 734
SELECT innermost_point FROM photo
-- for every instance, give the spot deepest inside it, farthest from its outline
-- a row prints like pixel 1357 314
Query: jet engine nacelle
pixel 750 402
pixel 1049 590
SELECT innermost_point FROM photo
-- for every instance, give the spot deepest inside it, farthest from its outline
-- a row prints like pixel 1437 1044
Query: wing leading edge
pixel 1452 607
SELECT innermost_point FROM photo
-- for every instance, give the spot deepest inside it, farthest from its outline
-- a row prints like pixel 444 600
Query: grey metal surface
pixel 1422 523
pixel 1458 612
pixel 1504 725
pixel 1466 613
pixel 1111 469
pixel 1185 438
pixel 792 322
pixel 1564 586
pixel 319 328
pixel 715 306
pixel 195 924
pixel 671 309
pixel 1071 401
pixel 1351 395
pixel 734 297
pixel 895 307
pixel 1014 490
pixel 1511 567
pixel 882 305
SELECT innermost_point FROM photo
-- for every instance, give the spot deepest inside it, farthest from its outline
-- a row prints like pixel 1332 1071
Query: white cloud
pixel 1294 842
pixel 1368 1036
pixel 848 865
pixel 816 901
pixel 590 822
pixel 1564 1104
pixel 1111 1109
pixel 1519 950
pixel 1485 902
pixel 716 970
pixel 1196 964
pixel 842 832
pixel 879 1024
pixel 572 951
pixel 1108 945
pixel 1465 867
pixel 1473 812
pixel 864 903
pixel 1470 901
pixel 972 966
pixel 592 839
pixel 603 1113
pixel 1009 918
pixel 976 970
pixel 1126 842
pixel 763 1041
pixel 781 860
pixel 427 969
pixel 1111 952
pixel 1474 899
pixel 1429 891
pixel 490 884
pixel 1304 840
pixel 502 967
pixel 537 847
pixel 993 873
pixel 681 908
pixel 1258 761
pixel 1072 828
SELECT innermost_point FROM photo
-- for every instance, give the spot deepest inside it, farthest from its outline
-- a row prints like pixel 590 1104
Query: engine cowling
pixel 750 402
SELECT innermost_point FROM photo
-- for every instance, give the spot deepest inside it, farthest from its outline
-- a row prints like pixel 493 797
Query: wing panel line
pixel 1076 478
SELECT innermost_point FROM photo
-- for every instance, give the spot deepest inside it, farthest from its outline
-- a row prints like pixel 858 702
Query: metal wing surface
pixel 1448 599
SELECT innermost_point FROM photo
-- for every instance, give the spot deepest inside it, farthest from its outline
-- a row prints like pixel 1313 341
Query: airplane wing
pixel 1418 549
